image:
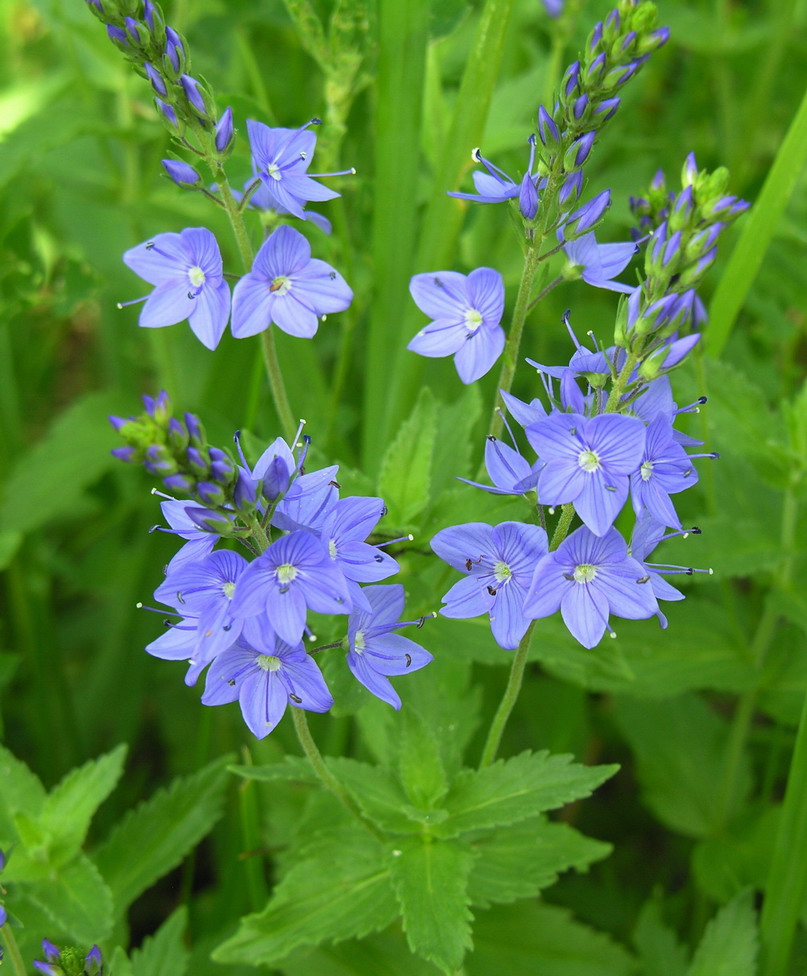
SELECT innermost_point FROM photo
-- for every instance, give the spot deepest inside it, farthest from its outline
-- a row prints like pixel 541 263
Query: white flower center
pixel 273 170
pixel 473 320
pixel 228 589
pixel 588 460
pixel 358 642
pixel 646 470
pixel 280 285
pixel 332 548
pixel 268 662
pixel 502 572
pixel 585 573
pixel 196 276
pixel 286 573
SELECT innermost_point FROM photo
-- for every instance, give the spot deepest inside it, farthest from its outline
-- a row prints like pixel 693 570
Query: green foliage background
pixel 700 717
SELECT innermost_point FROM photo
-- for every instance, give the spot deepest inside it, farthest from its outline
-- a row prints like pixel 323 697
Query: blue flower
pixel 288 287
pixel 510 472
pixel 264 675
pixel 499 560
pixel 597 264
pixel 588 462
pixel 375 651
pixel 293 574
pixel 466 310
pixel 186 269
pixel 281 158
pixel 589 577
pixel 666 468
pixel 495 186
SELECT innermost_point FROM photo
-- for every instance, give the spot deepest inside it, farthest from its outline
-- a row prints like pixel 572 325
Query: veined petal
pixel 441 294
pixel 211 313
pixel 294 317
pixel 597 505
pixel 167 304
pixel 364 563
pixel 546 590
pixel 478 353
pixel 251 306
pixel 303 679
pixel 440 338
pixel 387 603
pixel 467 598
pixel 486 294
pixel 286 609
pixel 618 440
pixel 284 252
pixel 166 259
pixel 374 682
pixel 585 612
pixel 203 249
pixel 325 289
pixel 560 482
pixel 263 701
pixel 507 620
pixel 459 543
pixel 395 654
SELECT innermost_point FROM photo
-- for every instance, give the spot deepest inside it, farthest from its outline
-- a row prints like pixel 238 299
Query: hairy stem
pixel 508 701
pixel 13 949
pixel 326 777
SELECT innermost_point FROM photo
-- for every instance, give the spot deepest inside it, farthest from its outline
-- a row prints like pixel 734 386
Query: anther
pixel 295 698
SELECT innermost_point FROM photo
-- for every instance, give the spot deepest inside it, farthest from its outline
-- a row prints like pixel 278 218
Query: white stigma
pixel 286 573
pixel 646 470
pixel 584 573
pixel 588 460
pixel 196 276
pixel 473 320
pixel 268 662
pixel 228 589
pixel 273 170
pixel 358 642
pixel 332 548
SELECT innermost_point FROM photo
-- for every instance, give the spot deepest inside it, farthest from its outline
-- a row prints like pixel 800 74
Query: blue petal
pixel 302 678
pixel 263 702
pixel 211 313
pixel 167 304
pixel 585 613
pixel 507 620
pixel 375 683
pixel 478 353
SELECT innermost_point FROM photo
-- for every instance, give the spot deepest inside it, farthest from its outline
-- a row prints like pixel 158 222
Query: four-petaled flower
pixel 375 651
pixel 500 561
pixel 288 287
pixel 264 675
pixel 588 577
pixel 466 311
pixel 598 264
pixel 186 269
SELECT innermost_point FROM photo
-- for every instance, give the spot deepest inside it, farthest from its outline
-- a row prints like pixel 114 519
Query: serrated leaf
pixel 421 769
pixel 48 480
pixel 22 793
pixel 155 836
pixel 730 943
pixel 293 768
pixel 119 963
pixel 71 804
pixel 164 953
pixel 343 892
pixel 377 791
pixel 77 899
pixel 660 952
pixel 454 446
pixel 431 882
pixel 405 477
pixel 517 862
pixel 531 939
pixel 516 789
pixel 680 749
pixel 379 954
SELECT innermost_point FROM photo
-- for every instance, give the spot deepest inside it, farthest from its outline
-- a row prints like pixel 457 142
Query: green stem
pixel 251 836
pixel 508 701
pixel 13 950
pixel 326 777
pixel 522 307
pixel 545 291
pixel 562 528
pixel 618 389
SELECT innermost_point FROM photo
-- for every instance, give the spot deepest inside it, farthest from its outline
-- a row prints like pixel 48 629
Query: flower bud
pixel 578 152
pixel 119 38
pixel 175 59
pixel 181 173
pixel 682 209
pixel 156 79
pixel 689 171
pixel 224 131
pixel 197 461
pixel 528 198
pixel 209 520
pixel 571 189
pixel 619 75
pixel 180 482
pixel 606 110
pixel 594 39
pixel 276 480
pixel 197 97
pixel 593 73
pixel 210 493
pixel 547 129
pixel 651 42
pixel 136 31
pixel 158 461
pixel 571 80
pixel 588 216
pixel 167 112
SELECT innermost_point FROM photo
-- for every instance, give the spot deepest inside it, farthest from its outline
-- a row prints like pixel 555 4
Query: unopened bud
pixel 181 173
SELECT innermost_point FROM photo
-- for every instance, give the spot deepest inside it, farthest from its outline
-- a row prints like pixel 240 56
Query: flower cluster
pixel 466 313
pixel 593 453
pixel 305 549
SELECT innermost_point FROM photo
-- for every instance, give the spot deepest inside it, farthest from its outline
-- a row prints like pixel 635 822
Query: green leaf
pixel 738 858
pixel 730 943
pixel 379 954
pixel 48 480
pixel 293 769
pixel 454 447
pixel 22 793
pixel 119 964
pixel 516 862
pixel 431 880
pixel 71 804
pixel 680 749
pixel 377 791
pixel 341 891
pixel 155 836
pixel 422 773
pixel 163 954
pixel 77 899
pixel 659 950
pixel 516 789
pixel 405 477
pixel 531 939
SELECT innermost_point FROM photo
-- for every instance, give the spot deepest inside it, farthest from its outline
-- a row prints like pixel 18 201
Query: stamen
pixel 134 301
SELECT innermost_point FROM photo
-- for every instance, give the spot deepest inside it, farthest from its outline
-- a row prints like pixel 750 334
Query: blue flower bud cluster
pixel 592 454
pixel 70 961
pixel 305 549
